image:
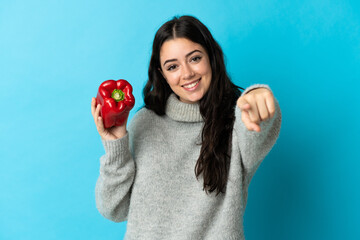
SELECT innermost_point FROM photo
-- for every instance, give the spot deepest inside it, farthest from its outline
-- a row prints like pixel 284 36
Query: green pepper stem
pixel 118 95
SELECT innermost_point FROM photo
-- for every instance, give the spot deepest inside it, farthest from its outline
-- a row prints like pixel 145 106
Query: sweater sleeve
pixel 254 146
pixel 113 187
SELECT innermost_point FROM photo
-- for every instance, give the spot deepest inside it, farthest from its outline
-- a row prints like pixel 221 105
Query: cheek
pixel 204 68
pixel 172 79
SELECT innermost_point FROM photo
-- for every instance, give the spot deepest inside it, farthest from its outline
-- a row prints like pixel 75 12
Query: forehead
pixel 178 48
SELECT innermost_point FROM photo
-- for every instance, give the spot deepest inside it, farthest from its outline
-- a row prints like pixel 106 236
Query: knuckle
pixel 268 93
pixel 272 113
pixel 243 118
pixel 250 97
pixel 255 119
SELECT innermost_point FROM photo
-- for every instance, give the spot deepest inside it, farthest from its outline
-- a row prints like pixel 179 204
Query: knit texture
pixel 148 176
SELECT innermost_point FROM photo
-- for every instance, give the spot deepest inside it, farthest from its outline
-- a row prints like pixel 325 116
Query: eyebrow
pixel 174 59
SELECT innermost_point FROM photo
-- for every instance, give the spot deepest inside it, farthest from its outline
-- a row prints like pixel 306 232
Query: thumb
pixel 243 104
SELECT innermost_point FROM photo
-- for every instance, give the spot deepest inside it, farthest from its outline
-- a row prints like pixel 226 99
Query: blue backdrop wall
pixel 54 54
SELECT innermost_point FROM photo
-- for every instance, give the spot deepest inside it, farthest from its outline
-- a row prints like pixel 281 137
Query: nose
pixel 188 72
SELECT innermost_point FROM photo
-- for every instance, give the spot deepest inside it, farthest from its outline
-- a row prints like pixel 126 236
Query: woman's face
pixel 186 67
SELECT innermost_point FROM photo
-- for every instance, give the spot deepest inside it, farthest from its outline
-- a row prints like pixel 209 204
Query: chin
pixel 194 99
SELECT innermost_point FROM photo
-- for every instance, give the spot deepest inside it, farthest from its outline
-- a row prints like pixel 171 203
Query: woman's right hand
pixel 112 133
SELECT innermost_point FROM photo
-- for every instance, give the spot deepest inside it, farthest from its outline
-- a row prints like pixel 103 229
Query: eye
pixel 171 67
pixel 196 59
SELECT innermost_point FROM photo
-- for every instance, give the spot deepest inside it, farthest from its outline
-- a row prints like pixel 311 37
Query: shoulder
pixel 141 115
pixel 143 112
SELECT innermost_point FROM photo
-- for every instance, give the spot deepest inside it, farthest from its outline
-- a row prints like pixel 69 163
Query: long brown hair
pixel 216 106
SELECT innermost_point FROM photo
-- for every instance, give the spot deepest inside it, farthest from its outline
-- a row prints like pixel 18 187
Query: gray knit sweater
pixel 147 177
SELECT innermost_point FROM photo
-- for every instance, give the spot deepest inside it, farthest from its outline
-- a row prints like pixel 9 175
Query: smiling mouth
pixel 191 85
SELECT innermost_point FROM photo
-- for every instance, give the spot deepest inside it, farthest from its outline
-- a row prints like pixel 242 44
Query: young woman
pixel 182 168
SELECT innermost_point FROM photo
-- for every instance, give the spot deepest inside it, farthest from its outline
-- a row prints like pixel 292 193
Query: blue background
pixel 54 55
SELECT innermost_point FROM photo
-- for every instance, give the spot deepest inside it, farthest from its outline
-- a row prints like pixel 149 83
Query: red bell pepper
pixel 116 101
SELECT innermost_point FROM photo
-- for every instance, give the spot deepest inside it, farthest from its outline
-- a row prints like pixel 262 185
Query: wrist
pixel 121 133
pixel 255 86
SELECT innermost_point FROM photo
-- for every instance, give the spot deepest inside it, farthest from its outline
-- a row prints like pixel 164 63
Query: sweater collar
pixel 182 112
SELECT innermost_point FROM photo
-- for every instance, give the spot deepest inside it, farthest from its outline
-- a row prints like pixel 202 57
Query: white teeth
pixel 191 85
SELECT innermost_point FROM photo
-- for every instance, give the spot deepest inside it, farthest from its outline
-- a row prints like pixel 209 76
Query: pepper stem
pixel 118 95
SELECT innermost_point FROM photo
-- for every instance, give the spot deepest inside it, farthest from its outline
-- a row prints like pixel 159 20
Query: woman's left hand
pixel 256 106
